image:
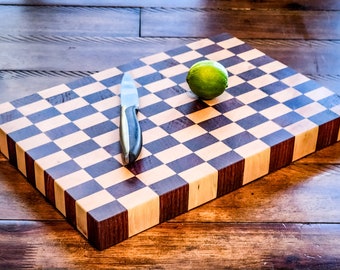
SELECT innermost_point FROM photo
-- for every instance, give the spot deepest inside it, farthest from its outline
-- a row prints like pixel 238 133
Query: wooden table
pixel 289 219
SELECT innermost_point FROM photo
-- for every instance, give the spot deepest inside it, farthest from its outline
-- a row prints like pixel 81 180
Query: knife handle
pixel 130 134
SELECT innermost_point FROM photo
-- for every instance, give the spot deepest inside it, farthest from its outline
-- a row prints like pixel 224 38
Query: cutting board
pixel 65 139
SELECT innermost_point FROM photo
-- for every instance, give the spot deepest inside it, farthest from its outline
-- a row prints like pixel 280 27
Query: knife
pixel 130 130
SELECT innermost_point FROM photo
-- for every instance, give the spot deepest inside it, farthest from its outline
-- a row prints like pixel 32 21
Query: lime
pixel 207 79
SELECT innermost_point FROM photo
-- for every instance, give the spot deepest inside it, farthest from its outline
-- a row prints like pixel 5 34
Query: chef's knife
pixel 130 131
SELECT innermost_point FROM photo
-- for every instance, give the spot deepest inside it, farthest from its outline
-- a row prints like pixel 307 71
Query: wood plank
pixel 76 53
pixel 76 21
pixel 279 24
pixel 29 64
pixel 287 4
pixel 96 54
pixel 170 245
pixel 30 20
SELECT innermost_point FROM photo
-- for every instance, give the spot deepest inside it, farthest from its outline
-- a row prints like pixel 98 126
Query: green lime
pixel 207 79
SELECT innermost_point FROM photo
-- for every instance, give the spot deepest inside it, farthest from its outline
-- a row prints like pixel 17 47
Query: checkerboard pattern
pixel 65 139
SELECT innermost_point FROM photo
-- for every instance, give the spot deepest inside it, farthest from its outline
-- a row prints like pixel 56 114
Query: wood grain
pixel 294 185
pixel 203 22
pixel 180 22
pixel 77 53
pixel 37 64
pixel 293 190
pixel 286 220
pixel 79 206
pixel 182 244
pixel 277 217
pixel 44 20
pixel 27 202
pixel 241 4
pixel 309 57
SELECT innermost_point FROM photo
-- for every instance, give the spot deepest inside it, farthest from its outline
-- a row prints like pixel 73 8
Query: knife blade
pixel 130 130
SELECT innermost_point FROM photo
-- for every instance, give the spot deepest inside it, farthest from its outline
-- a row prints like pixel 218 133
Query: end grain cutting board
pixel 65 139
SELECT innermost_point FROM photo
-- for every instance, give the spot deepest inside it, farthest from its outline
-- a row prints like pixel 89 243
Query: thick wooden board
pixel 297 185
pixel 194 22
pixel 26 20
pixel 241 4
pixel 181 22
pixel 23 54
pixel 65 139
pixel 288 246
